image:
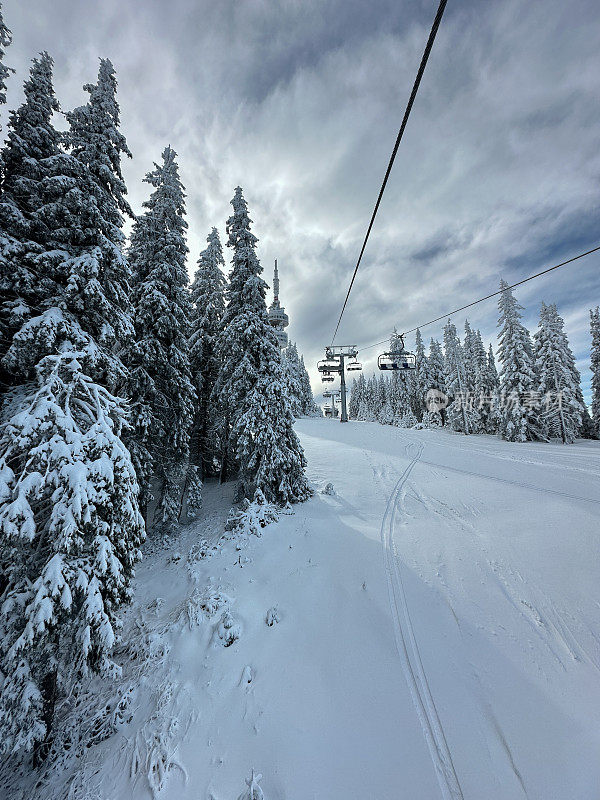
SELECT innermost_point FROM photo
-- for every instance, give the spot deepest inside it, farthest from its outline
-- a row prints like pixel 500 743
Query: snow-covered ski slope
pixel 438 633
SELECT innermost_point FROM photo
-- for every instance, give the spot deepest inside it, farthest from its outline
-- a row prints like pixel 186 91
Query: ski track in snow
pixel 407 645
pixel 510 482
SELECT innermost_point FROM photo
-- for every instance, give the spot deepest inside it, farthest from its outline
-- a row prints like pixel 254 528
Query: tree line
pixel 536 395
pixel 122 388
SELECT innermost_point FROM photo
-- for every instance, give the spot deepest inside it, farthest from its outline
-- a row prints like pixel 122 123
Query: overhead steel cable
pixel 487 297
pixel 413 94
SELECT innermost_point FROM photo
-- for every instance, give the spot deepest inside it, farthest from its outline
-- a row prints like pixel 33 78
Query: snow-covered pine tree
pixel 291 371
pixel 69 537
pixel 309 407
pixel 161 388
pixel 70 528
pixel 208 299
pixel 5 41
pixel 28 158
pixel 587 430
pixel 491 414
pixel 491 367
pixel 354 402
pixel 359 402
pixel 419 380
pixel 595 364
pixel 554 363
pixel 460 413
pixel 518 382
pixel 469 354
pixel 436 380
pixel 384 411
pixel 250 387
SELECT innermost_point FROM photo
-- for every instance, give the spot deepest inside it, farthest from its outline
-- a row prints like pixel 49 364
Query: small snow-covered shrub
pixel 194 491
pixel 228 630
pixel 328 489
pixel 252 517
pixel 272 616
pixel 253 792
pixel 199 551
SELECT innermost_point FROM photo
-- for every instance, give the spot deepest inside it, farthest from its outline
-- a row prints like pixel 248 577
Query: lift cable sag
pixel 432 35
pixel 487 297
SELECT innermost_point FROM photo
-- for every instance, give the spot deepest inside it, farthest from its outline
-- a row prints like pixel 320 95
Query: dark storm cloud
pixel 299 102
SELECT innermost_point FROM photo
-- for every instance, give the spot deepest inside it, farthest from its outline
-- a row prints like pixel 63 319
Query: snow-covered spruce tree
pixel 5 41
pixel 384 412
pixel 595 357
pixel 460 414
pixel 69 536
pixel 70 528
pixel 208 300
pixel 309 407
pixel 518 382
pixel 161 389
pixel 361 393
pixel 291 369
pixel 250 387
pixel 436 380
pixel 418 386
pixel 29 164
pixel 474 364
pixel 561 410
pixel 354 402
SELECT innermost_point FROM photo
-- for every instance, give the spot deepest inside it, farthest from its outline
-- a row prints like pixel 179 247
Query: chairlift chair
pixel 326 378
pixel 353 366
pixel 397 361
pixel 328 365
pixel 398 358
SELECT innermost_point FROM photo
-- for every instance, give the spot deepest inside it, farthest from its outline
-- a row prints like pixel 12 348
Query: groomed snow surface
pixel 431 629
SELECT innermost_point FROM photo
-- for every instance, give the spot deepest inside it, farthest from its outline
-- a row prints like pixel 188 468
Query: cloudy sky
pixel 299 102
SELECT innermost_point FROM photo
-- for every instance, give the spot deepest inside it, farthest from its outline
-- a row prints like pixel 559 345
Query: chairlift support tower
pixel 335 356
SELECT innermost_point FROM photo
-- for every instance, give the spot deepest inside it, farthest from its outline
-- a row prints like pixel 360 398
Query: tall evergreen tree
pixel 595 353
pixel 250 387
pixel 486 388
pixel 30 162
pixel 309 406
pixel 69 522
pixel 436 380
pixel 491 367
pixel 293 377
pixel 518 381
pixel 354 402
pixel 208 299
pixel 555 364
pixel 5 41
pixel 359 394
pixel 419 378
pixel 460 414
pixel 161 387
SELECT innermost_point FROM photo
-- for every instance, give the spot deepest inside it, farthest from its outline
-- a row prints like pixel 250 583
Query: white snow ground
pixel 438 634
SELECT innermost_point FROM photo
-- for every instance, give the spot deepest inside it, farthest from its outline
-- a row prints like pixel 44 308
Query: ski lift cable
pixel 487 297
pixel 413 94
